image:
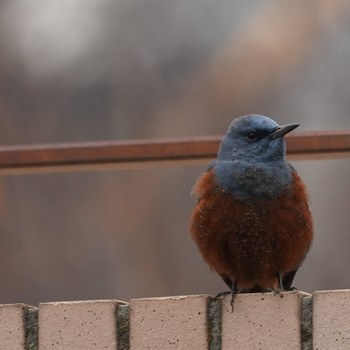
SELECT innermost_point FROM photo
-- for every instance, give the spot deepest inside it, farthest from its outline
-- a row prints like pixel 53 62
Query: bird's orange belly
pixel 252 243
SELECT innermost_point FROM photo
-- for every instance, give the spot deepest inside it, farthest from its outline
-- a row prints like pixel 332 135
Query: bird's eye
pixel 252 136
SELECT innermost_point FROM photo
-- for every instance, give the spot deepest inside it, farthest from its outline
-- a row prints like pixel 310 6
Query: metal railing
pixel 140 153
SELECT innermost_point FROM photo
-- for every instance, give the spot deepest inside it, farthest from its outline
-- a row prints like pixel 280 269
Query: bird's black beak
pixel 282 130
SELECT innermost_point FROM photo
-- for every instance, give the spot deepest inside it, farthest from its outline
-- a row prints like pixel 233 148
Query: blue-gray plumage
pixel 252 223
pixel 251 160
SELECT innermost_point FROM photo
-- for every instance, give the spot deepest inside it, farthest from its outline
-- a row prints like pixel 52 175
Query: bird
pixel 252 222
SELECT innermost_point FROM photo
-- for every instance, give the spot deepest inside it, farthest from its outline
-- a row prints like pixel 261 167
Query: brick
pixel 331 320
pixel 262 321
pixel 13 326
pixel 169 323
pixel 78 325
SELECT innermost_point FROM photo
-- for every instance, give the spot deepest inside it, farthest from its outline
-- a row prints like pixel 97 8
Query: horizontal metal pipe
pixel 140 153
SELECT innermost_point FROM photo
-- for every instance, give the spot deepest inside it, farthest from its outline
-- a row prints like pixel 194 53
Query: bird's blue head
pixel 254 138
pixel 251 161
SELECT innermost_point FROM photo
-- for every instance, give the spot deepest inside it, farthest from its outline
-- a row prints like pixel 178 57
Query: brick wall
pixel 290 320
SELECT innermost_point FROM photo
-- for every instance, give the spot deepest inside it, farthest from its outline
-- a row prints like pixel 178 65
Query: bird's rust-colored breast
pixel 251 242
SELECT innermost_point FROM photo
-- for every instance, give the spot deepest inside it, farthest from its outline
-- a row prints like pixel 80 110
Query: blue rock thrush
pixel 252 223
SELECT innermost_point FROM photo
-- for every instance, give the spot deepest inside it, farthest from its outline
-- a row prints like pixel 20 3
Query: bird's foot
pixel 232 303
pixel 268 290
pixel 233 292
pixel 226 292
pixel 221 294
pixel 277 291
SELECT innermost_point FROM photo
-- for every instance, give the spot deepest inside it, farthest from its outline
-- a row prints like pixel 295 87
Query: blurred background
pixel 89 70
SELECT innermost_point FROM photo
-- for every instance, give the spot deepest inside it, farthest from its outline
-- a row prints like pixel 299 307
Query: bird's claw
pixel 277 291
pixel 221 294
pixel 226 292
